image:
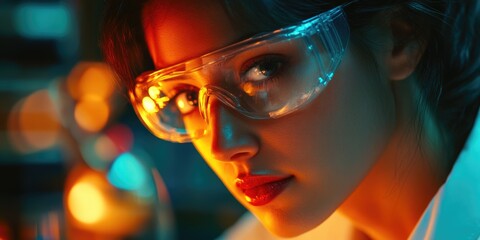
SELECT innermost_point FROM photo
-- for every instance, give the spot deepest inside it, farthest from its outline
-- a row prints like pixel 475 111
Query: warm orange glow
pixel 249 89
pixel 95 206
pixel 92 114
pixel 33 124
pixel 90 78
pixel 149 105
pixel 86 202
pixel 153 92
pixel 96 81
pixel 14 134
pixel 162 102
pixel 181 103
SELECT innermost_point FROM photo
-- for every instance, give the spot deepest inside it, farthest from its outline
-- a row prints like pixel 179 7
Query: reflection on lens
pixel 149 105
pixel 153 92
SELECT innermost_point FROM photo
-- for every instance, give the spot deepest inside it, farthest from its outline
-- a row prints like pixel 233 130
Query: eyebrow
pixel 236 40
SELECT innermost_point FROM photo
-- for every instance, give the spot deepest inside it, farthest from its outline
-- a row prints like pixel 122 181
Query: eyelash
pixel 276 59
pixel 268 58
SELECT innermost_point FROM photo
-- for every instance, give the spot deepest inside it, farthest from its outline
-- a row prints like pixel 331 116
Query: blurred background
pixel 75 163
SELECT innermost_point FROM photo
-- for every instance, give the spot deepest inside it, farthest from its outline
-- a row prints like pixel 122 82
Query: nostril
pixel 239 156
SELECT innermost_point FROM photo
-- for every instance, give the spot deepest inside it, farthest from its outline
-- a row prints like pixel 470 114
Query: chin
pixel 286 230
pixel 285 227
pixel 284 233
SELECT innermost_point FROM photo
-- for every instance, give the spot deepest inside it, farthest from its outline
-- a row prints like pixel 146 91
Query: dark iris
pixel 269 68
pixel 263 68
pixel 192 98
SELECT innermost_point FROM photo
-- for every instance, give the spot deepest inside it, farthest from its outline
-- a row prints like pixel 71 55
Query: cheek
pixel 334 142
pixel 358 121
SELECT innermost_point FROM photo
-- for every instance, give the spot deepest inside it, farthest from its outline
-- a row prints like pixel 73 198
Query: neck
pixel 390 200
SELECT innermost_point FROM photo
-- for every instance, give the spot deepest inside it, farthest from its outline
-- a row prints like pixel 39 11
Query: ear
pixel 406 51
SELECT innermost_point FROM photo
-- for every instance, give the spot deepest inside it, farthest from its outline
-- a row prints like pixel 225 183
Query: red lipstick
pixel 261 189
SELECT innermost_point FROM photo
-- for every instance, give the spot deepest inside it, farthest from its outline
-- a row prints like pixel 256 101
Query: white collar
pixel 454 212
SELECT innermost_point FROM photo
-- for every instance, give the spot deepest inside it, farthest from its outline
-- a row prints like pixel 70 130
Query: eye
pixel 187 101
pixel 263 68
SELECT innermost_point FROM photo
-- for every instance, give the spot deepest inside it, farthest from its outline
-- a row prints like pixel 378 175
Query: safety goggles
pixel 263 77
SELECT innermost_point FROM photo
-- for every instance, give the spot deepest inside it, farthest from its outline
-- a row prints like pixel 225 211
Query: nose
pixel 232 138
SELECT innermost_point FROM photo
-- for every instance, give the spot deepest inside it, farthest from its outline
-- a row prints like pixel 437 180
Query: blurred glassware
pixel 112 189
pixel 118 204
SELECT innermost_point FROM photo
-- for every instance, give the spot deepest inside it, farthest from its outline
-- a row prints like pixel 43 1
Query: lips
pixel 262 189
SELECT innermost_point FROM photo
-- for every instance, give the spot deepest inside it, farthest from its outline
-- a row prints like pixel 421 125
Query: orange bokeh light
pixel 89 78
pixel 33 124
pixel 96 207
pixel 86 202
pixel 91 85
pixel 96 81
pixel 92 113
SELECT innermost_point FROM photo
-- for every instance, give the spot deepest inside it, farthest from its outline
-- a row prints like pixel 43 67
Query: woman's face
pixel 291 172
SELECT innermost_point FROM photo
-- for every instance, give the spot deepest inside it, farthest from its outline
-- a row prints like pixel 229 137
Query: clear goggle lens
pixel 264 77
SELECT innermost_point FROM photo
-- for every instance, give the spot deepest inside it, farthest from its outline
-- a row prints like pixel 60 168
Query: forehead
pixel 179 30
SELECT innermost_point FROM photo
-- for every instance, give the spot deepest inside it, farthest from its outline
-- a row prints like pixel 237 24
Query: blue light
pixel 302 29
pixel 42 20
pixel 128 173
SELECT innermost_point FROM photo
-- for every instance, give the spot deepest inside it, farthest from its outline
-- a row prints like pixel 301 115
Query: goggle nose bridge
pixel 225 97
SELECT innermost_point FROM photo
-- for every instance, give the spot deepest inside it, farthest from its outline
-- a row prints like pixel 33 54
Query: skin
pixel 343 149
